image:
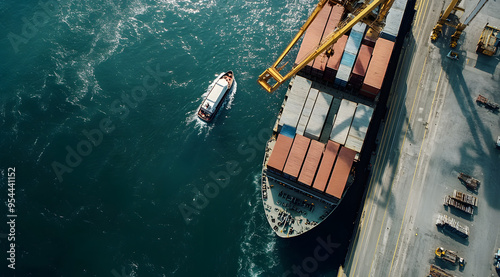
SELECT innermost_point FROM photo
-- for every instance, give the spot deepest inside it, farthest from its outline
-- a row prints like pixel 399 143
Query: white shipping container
pixel 306 112
pixel 318 116
pixel 360 27
pixel 399 4
pixel 343 121
pixel 295 102
pixel 342 76
pixel 359 127
pixel 392 24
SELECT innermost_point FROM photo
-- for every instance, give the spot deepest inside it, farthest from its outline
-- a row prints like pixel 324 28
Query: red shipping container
pixel 320 62
pixel 296 157
pixel 280 153
pixel 313 35
pixel 311 163
pixel 378 66
pixel 334 61
pixel 326 165
pixel 340 172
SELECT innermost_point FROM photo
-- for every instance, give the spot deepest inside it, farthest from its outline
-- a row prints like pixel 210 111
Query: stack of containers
pixel 318 116
pixel 296 157
pixel 343 121
pixel 295 102
pixel 360 67
pixel 350 52
pixel 359 127
pixel 306 112
pixel 333 63
pixel 311 163
pixel 276 162
pixel 376 69
pixel 312 37
pixel 392 24
pixel 320 63
pixel 340 173
pixel 326 165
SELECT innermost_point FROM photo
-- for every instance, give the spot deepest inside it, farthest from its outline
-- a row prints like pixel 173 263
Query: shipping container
pixel 311 162
pixel 326 165
pixel 306 112
pixel 318 116
pixel 392 24
pixel 313 35
pixel 399 4
pixel 280 152
pixel 340 172
pixel 355 38
pixel 359 127
pixel 361 65
pixel 377 67
pixel 296 157
pixel 288 131
pixel 343 121
pixel 334 61
pixel 295 102
pixel 320 62
pixel 343 75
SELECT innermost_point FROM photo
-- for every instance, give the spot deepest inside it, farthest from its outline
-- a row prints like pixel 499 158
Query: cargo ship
pixel 217 92
pixel 312 156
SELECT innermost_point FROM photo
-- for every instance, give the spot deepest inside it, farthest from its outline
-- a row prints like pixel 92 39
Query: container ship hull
pixel 312 157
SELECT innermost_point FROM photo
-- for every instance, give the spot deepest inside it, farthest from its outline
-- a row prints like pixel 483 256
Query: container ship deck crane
pixel 359 13
pixel 459 27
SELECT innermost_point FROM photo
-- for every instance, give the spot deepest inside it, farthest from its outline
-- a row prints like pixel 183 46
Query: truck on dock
pixel 450 201
pixel 449 256
pixel 436 271
pixel 465 198
pixel 481 100
pixel 453 226
pixel 470 182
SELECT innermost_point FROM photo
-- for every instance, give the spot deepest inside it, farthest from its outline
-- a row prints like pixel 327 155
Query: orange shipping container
pixel 378 66
pixel 361 65
pixel 340 172
pixel 313 35
pixel 311 163
pixel 280 153
pixel 334 61
pixel 296 156
pixel 326 165
pixel 320 62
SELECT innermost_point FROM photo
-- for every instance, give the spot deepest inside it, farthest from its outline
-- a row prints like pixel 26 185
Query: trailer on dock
pixel 453 226
pixel 481 100
pixel 450 201
pixel 469 181
pixel 465 198
pixel 435 271
pixel 449 256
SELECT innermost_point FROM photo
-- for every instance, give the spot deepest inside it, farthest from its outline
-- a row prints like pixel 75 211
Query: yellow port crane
pixel 359 13
pixel 445 18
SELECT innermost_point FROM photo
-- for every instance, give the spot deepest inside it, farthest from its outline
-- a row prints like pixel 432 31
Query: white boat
pixel 218 91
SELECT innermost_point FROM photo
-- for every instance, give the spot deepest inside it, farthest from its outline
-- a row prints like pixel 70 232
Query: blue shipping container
pixel 348 59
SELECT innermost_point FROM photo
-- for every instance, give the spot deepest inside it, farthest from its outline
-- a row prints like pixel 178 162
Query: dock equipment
pixel 465 198
pixel 488 41
pixel 449 256
pixel 481 100
pixel 497 259
pixel 452 225
pixel 436 271
pixel 449 201
pixel 449 18
pixel 360 12
pixel 469 181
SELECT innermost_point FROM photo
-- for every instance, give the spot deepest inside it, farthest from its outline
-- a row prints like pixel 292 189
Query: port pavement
pixel 432 131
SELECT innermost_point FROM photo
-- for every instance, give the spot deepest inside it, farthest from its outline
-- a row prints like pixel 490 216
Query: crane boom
pixel 273 71
pixel 461 26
